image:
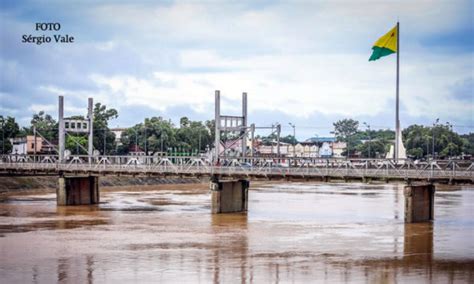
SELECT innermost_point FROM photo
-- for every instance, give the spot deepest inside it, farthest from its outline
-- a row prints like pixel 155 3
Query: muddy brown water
pixel 293 232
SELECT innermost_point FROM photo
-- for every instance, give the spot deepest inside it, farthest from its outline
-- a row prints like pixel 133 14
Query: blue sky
pixel 304 62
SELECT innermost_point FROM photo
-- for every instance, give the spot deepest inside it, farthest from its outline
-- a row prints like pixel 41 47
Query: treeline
pixel 154 135
pixel 157 134
pixel 420 141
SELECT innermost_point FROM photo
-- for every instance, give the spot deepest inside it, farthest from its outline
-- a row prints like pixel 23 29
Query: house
pixel 272 149
pixel 325 151
pixel 26 145
pixel 338 148
pixel 135 150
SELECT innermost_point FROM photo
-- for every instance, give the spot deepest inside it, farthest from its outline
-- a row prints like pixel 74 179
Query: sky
pixel 301 62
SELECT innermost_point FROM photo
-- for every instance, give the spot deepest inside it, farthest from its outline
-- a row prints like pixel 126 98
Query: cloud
pixel 298 60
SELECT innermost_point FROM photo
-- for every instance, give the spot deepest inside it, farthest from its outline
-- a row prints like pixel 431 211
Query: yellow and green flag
pixel 385 45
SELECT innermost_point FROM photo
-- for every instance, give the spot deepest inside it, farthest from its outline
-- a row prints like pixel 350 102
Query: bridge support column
pixel 419 203
pixel 229 196
pixel 78 190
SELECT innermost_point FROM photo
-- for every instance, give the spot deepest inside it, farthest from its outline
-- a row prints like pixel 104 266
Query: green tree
pixel 155 134
pixel 10 129
pixel 418 141
pixel 468 143
pixel 102 134
pixel 73 142
pixel 45 125
pixel 345 131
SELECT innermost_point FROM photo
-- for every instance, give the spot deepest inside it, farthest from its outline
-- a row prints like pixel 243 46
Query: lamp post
pixel 450 127
pixel 161 141
pixel 3 135
pixel 146 138
pixel 105 140
pixel 433 137
pixel 370 139
pixel 294 139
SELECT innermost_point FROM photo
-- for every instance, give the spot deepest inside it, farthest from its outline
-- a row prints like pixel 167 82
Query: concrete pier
pixel 229 196
pixel 419 203
pixel 78 190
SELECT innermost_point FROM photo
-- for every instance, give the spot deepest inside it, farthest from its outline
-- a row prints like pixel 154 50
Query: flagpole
pixel 397 119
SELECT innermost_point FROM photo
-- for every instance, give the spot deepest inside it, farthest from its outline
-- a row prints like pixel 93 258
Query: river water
pixel 293 232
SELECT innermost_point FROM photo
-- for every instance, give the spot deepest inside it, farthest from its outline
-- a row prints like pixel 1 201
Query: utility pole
pixel 294 141
pixel 34 150
pixel 161 138
pixel 370 139
pixel 450 127
pixel 146 144
pixel 3 135
pixel 199 147
pixel 433 136
pixel 105 140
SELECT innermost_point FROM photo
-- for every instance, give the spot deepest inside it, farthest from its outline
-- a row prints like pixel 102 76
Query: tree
pixel 419 141
pixel 10 129
pixel 45 125
pixel 345 130
pixel 73 142
pixel 468 143
pixel 102 134
pixel 158 133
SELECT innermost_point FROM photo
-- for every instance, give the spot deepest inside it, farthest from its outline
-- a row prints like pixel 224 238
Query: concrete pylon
pixel 419 203
pixel 78 190
pixel 229 196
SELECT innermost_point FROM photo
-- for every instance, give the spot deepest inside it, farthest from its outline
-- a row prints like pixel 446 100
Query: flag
pixel 385 45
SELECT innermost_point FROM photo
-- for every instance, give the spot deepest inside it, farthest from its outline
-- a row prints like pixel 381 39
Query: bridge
pixel 229 174
pixel 445 171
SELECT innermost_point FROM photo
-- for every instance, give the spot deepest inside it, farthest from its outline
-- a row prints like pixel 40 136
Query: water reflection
pixel 418 244
pixel 292 232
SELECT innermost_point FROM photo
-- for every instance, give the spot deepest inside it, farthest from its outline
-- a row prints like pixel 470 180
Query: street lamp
pixel 294 141
pixel 294 138
pixel 370 139
pixel 3 135
pixel 433 136
pixel 136 138
pixel 450 127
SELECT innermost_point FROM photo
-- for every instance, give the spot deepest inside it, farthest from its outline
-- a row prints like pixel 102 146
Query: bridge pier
pixel 229 196
pixel 419 203
pixel 78 190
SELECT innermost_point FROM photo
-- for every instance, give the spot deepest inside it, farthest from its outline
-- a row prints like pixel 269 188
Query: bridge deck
pixel 306 168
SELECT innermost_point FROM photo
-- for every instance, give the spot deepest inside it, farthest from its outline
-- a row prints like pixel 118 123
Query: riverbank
pixel 48 184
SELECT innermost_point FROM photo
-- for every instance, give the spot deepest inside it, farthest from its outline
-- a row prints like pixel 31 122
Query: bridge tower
pixel 230 195
pixel 230 123
pixel 76 190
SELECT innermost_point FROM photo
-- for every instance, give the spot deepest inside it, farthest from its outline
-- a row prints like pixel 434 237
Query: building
pixel 135 150
pixel 26 145
pixel 118 134
pixel 338 148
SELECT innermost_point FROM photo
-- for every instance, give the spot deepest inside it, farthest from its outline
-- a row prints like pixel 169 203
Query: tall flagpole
pixel 397 119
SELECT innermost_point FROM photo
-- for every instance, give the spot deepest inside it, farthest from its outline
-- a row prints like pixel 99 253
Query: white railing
pixel 257 166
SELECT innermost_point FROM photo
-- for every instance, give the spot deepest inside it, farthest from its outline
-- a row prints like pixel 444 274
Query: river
pixel 293 232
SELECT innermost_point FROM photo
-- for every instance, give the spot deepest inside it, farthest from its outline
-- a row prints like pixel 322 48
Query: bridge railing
pixel 238 166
